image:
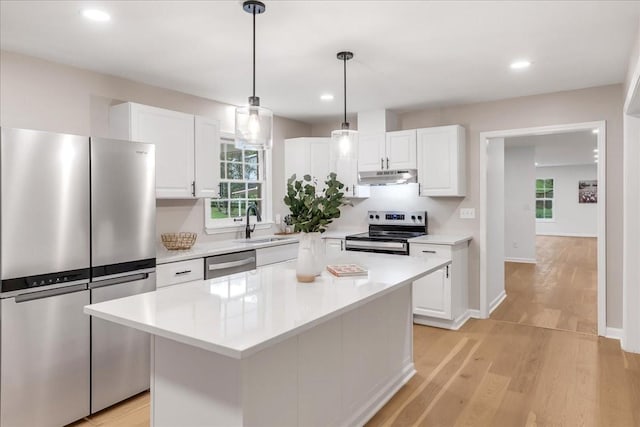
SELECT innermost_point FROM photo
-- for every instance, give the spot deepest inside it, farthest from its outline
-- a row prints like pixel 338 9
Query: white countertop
pixel 201 250
pixel 238 315
pixel 441 239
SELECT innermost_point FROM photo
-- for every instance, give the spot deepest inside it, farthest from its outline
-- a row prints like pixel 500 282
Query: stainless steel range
pixel 389 232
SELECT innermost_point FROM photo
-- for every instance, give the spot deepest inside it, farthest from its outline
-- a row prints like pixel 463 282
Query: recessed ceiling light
pixel 595 156
pixel 595 150
pixel 326 97
pixel 536 163
pixel 96 15
pixel 595 131
pixel 520 65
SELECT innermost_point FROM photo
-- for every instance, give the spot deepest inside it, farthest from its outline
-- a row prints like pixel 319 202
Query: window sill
pixel 237 228
pixel 545 220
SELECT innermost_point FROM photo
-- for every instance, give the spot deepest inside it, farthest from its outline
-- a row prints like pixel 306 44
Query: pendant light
pixel 253 123
pixel 345 140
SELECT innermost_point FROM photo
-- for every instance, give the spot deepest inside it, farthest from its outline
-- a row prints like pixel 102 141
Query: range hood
pixel 388 177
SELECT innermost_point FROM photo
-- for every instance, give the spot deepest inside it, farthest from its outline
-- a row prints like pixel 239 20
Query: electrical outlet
pixel 467 213
pixel 278 220
pixel 515 245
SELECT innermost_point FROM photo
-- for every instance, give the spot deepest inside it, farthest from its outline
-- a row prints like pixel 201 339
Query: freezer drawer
pixel 44 358
pixel 120 356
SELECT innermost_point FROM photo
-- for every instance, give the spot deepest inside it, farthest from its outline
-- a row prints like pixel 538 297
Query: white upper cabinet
pixel 174 135
pixel 390 150
pixel 401 150
pixel 307 156
pixel 442 161
pixel 371 151
pixel 207 157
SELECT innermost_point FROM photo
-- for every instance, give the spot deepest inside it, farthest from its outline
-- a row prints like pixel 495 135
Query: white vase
pixel 310 257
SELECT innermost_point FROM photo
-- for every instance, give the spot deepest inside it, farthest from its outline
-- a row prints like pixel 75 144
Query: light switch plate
pixel 467 213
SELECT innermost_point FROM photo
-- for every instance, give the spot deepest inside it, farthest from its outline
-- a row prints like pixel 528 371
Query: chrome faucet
pixel 248 229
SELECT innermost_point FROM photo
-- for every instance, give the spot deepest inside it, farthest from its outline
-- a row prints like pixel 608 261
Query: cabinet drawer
pixel 179 272
pixel 426 250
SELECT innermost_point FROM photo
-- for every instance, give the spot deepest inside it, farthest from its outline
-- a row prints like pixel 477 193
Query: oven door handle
pixel 394 246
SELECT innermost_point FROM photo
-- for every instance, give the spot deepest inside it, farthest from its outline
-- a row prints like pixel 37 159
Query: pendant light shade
pixel 253 124
pixel 344 141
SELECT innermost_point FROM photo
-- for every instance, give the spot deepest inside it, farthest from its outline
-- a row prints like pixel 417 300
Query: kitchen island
pixel 259 349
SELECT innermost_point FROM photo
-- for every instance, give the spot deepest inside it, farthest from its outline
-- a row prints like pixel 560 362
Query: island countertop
pixel 241 314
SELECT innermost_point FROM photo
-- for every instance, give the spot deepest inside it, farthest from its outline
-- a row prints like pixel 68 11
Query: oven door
pixel 377 246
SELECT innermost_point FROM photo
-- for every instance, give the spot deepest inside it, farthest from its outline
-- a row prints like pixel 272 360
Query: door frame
pixel 485 138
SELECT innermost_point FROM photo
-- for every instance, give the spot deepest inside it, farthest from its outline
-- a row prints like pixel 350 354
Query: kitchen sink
pixel 264 240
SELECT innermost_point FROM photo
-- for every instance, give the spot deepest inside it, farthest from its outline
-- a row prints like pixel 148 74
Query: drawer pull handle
pixel 180 273
pixel 429 252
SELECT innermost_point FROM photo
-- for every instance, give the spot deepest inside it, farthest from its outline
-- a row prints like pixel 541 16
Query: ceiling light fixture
pixel 595 131
pixel 326 97
pixel 345 140
pixel 520 65
pixel 96 15
pixel 595 150
pixel 536 163
pixel 254 123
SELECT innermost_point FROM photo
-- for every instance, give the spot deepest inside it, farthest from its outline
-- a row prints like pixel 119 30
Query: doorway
pixel 550 192
pixel 546 249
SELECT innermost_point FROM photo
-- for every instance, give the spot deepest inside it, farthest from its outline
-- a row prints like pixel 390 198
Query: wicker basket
pixel 178 241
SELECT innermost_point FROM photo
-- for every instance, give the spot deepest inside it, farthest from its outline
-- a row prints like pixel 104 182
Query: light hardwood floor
pixel 558 292
pixel 495 374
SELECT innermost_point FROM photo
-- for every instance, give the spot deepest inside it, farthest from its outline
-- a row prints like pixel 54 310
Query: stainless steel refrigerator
pixel 123 259
pixel 77 225
pixel 45 264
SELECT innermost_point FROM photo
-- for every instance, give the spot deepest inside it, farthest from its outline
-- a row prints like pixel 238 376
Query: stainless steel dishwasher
pixel 222 265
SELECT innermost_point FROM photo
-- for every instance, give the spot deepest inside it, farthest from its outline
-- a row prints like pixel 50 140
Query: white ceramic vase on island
pixel 310 257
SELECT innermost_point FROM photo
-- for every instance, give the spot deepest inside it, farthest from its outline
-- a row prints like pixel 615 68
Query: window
pixel 242 182
pixel 544 199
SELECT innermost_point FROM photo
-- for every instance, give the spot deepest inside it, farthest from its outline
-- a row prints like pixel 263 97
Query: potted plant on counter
pixel 311 212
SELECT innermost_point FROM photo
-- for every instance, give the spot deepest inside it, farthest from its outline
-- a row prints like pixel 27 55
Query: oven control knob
pixel 377 216
pixel 370 216
pixel 413 217
pixel 419 218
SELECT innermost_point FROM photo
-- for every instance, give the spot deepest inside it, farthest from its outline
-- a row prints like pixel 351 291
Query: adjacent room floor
pixel 559 292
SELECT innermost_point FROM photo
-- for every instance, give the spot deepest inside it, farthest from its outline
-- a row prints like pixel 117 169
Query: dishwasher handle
pixel 50 293
pixel 231 264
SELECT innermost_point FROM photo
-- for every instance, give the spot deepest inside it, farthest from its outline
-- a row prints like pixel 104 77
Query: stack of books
pixel 346 270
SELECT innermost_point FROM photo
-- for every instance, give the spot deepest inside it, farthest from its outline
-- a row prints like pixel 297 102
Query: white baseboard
pixel 614 333
pixel 549 233
pixel 474 314
pixel 454 324
pixel 497 301
pixel 522 260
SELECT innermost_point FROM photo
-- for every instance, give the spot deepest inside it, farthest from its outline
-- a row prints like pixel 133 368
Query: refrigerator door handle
pixel 50 293
pixel 118 280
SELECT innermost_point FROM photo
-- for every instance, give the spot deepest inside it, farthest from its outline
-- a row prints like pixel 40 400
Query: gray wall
pixel 37 94
pixel 519 203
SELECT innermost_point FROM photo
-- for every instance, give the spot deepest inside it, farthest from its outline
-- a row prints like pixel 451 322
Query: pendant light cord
pixel 254 51
pixel 344 60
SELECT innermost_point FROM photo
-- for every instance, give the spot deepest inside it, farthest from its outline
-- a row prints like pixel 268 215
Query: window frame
pixel 226 225
pixel 544 199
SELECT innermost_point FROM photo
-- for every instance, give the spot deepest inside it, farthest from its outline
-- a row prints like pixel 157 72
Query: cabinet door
pixel 296 158
pixel 333 248
pixel 441 161
pixel 371 152
pixel 172 133
pixel 401 150
pixel 432 294
pixel 319 160
pixel 207 157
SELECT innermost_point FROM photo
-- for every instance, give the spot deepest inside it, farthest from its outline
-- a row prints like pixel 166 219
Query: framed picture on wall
pixel 588 191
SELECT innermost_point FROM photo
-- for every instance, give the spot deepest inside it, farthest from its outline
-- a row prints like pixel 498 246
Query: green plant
pixel 311 212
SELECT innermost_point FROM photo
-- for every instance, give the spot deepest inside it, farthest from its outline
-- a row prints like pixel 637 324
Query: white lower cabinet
pixel 440 299
pixel 333 248
pixel 179 272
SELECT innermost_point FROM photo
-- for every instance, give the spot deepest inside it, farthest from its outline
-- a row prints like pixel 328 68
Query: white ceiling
pixel 561 149
pixel 408 54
